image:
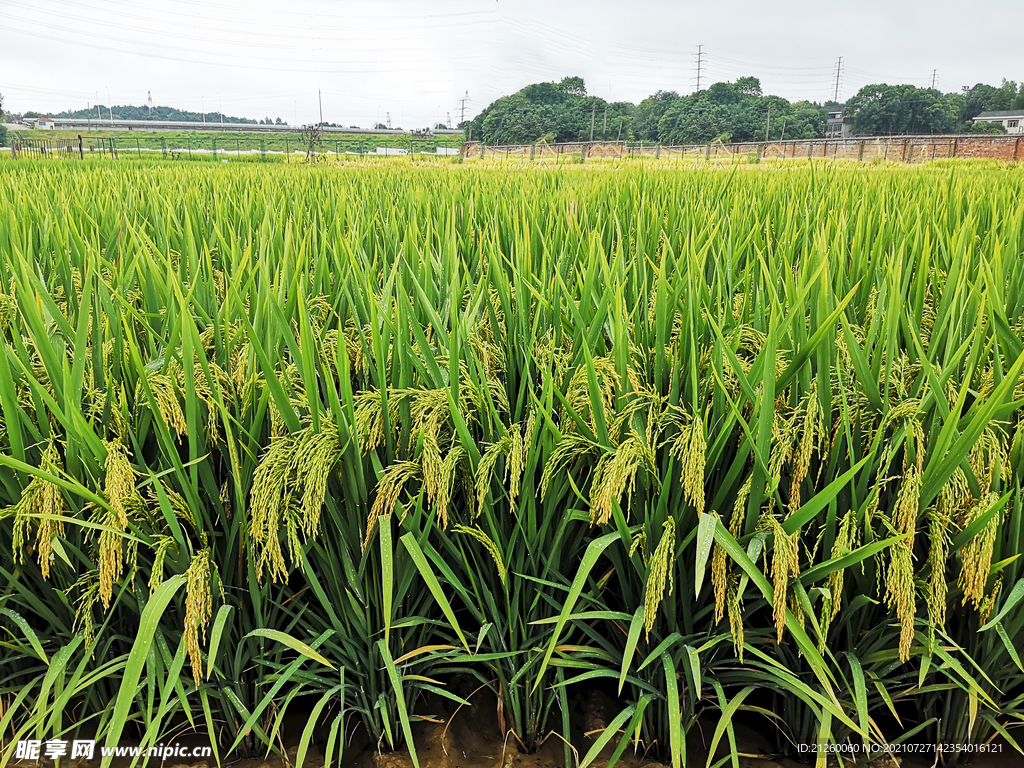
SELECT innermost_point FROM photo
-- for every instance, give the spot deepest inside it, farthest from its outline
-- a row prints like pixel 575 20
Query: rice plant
pixel 739 443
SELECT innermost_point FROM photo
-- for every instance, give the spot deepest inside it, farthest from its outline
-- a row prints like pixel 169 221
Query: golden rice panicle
pixel 317 455
pixel 784 436
pixel 639 544
pixel 303 460
pixel 905 513
pixel 660 573
pixel 990 601
pixel 720 563
pixel 846 541
pixel 369 420
pixel 569 448
pixel 693 457
pixel 198 608
pixel 8 308
pixel 739 508
pixel 900 593
pixel 389 488
pixel 485 467
pixel 785 565
pixel 578 393
pixel 88 586
pixel 955 495
pixel 450 470
pixel 988 459
pixel 797 611
pixel 976 554
pixel 734 601
pixel 43 501
pixel 812 436
pixel 164 386
pixel 719 576
pixel 270 498
pixel 521 438
pixel 475 532
pixel 616 473
pixel 163 544
pixel 432 467
pixel 938 542
pixel 123 498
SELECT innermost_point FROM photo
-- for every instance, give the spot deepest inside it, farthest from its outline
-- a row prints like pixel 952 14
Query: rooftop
pixel 1001 113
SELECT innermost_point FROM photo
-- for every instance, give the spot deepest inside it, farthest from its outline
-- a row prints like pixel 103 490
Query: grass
pixel 727 442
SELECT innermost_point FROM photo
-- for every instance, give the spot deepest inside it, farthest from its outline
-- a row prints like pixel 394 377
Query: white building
pixel 1011 119
pixel 839 126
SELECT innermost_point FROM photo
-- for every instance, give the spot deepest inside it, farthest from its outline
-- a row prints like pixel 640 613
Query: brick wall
pixel 904 149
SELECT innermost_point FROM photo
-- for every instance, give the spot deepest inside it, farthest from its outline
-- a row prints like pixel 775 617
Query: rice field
pixel 732 446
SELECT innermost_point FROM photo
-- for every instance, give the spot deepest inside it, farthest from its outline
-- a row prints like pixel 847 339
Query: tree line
pixel 129 112
pixel 730 111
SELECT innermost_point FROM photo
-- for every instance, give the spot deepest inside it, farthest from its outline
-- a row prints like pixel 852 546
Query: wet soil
pixel 470 737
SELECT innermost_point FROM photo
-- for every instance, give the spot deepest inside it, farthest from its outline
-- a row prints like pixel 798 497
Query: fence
pixel 904 149
pixel 45 147
pixel 219 147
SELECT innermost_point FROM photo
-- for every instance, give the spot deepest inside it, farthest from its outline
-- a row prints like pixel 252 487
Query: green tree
pixel 987 98
pixel 882 109
pixel 130 112
pixel 741 111
pixel 806 121
pixel 573 86
pixel 695 119
pixel 544 93
pixel 649 113
pixel 562 110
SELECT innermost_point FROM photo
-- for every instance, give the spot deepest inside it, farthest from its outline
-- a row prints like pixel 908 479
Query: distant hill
pixel 129 112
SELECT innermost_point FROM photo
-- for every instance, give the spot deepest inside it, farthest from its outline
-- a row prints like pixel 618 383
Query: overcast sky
pixel 416 59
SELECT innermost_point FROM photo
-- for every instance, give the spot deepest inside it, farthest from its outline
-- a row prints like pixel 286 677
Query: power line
pixel 700 57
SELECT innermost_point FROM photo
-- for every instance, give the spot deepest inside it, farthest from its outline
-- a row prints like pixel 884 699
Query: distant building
pixel 1011 119
pixel 839 126
pixel 44 123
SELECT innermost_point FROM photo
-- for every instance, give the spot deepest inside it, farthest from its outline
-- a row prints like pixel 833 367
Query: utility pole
pixel 389 120
pixel 604 130
pixel 149 101
pixel 768 125
pixel 700 57
pixel 838 73
pixel 320 99
pixel 449 123
pixel 463 101
pixel 593 112
pixel 935 72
